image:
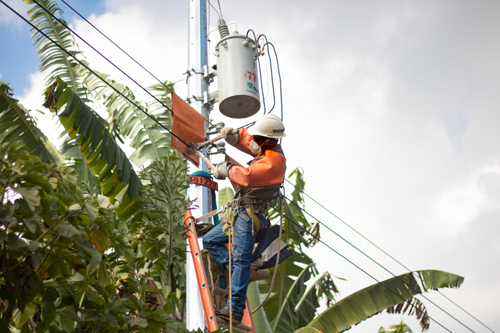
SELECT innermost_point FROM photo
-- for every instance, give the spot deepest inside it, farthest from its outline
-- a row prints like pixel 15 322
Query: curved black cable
pixel 376 262
pixel 121 71
pixel 352 263
pixel 279 76
pixel 90 70
pixel 270 69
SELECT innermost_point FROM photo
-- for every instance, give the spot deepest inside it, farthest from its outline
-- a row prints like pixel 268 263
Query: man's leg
pixel 214 242
pixel 242 257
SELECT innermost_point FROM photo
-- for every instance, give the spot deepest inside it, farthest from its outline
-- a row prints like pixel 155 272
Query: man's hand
pixel 230 135
pixel 220 171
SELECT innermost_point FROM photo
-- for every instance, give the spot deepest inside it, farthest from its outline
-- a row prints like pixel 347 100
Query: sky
pixel 391 108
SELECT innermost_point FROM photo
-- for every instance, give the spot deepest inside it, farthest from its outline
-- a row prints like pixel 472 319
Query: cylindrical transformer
pixel 237 76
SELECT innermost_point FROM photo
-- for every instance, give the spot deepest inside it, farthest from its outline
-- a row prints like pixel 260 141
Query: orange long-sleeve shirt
pixel 265 173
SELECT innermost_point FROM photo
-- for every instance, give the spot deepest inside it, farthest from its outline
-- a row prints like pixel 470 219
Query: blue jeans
pixel 243 245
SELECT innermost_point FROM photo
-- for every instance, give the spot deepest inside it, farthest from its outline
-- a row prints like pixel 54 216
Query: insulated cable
pixel 90 70
pixel 260 71
pixel 375 245
pixel 209 12
pixel 118 68
pixel 279 76
pixel 374 261
pixel 77 13
pixel 361 269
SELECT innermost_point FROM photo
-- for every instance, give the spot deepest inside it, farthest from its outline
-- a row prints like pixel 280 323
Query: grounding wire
pixel 103 80
pixel 361 269
pixel 93 26
pixel 118 68
pixel 377 263
pixel 380 249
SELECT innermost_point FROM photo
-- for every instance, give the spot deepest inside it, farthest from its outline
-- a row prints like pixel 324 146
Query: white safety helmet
pixel 269 126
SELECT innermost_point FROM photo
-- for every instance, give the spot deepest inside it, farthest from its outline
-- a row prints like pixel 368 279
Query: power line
pixel 121 71
pixel 373 260
pixel 76 12
pixel 90 70
pixel 352 263
pixel 387 254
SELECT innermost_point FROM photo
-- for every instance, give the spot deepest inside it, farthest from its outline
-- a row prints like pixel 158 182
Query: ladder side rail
pixel 203 285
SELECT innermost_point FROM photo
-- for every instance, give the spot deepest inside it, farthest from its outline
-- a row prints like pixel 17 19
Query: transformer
pixel 239 95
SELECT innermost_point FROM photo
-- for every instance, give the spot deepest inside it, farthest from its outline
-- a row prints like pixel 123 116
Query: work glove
pixel 220 171
pixel 230 135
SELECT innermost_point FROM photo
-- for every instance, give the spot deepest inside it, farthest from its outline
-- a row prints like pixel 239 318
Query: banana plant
pixel 18 124
pixel 372 300
pixel 104 156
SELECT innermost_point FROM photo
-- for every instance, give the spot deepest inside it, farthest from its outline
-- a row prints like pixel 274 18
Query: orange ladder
pixel 203 286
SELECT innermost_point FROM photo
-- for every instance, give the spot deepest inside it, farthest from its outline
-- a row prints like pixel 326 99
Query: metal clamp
pixel 217 148
pixel 215 128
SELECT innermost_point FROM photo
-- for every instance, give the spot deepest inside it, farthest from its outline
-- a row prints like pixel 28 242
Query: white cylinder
pixel 237 76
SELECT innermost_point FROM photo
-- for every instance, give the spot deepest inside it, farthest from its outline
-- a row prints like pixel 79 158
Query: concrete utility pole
pixel 198 93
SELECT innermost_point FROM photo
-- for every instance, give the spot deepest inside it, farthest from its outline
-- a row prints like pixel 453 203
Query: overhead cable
pixel 361 269
pixel 376 262
pixel 77 13
pixel 387 254
pixel 121 71
pixel 103 80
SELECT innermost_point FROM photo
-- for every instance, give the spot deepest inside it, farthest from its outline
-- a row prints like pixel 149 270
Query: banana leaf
pixel 372 300
pixel 115 173
pixel 17 124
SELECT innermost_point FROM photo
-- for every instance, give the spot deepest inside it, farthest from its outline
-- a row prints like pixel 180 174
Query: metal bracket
pixel 214 128
pixel 207 75
pixel 217 148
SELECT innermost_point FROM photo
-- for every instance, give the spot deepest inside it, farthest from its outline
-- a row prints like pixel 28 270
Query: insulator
pixel 223 29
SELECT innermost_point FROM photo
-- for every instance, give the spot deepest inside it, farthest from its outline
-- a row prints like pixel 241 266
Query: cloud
pixel 8 18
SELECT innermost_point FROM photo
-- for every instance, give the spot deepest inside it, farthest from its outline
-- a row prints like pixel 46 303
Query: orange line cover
pixel 189 125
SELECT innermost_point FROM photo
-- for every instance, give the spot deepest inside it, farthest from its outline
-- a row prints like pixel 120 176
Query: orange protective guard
pixel 206 297
pixel 189 125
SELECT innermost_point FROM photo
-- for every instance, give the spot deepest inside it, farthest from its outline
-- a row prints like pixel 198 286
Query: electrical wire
pixel 270 70
pixel 258 62
pixel 279 77
pixel 118 68
pixel 361 269
pixel 374 261
pixel 90 70
pixel 214 9
pixel 375 245
pixel 77 13
pixel 220 9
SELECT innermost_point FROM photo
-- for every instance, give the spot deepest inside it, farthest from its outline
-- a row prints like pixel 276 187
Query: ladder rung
pixel 240 326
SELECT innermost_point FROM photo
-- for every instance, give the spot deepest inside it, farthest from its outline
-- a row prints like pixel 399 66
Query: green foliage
pixel 399 328
pixel 17 124
pixel 163 233
pixel 373 299
pixel 291 306
pixel 107 159
pixel 68 263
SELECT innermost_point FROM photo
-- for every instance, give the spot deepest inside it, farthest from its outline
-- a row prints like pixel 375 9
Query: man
pixel 256 185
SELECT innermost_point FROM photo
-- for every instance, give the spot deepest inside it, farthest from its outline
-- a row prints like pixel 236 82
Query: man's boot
pixel 224 314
